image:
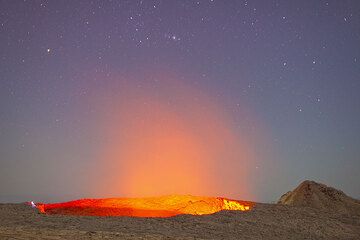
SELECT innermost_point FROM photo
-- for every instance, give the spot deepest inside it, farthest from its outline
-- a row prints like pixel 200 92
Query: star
pixel 172 37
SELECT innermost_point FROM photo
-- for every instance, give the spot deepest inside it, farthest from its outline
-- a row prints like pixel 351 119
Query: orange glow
pixel 165 206
pixel 168 138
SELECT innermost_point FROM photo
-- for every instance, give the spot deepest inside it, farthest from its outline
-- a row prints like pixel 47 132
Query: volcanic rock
pixel 262 221
pixel 320 196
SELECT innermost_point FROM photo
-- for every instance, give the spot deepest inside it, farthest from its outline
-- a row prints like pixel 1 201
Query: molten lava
pixel 166 206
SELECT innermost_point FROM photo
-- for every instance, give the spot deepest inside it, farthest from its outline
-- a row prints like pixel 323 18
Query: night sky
pixel 241 99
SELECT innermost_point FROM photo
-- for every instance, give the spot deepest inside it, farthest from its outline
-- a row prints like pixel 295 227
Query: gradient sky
pixel 242 99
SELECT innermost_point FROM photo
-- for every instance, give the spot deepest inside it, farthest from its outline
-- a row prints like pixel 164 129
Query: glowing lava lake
pixel 165 206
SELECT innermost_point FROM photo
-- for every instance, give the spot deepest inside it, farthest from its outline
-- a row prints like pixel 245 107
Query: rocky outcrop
pixel 320 196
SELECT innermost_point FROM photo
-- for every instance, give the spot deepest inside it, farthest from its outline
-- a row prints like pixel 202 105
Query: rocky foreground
pixel 265 221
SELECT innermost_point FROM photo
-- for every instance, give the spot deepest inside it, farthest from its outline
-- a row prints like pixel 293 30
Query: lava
pixel 165 206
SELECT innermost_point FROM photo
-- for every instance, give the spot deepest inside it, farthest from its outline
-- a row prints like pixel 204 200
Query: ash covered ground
pixel 295 219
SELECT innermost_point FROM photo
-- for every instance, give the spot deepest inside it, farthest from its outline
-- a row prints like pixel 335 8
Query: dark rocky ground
pixel 265 221
pixel 310 211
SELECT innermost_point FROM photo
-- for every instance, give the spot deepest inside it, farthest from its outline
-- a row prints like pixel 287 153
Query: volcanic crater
pixel 165 206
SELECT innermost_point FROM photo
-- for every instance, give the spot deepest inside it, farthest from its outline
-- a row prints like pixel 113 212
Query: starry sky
pixel 242 99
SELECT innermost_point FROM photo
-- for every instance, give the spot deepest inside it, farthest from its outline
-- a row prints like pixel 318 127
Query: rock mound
pixel 320 196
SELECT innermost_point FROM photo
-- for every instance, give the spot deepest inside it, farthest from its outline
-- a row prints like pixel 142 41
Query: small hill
pixel 320 196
